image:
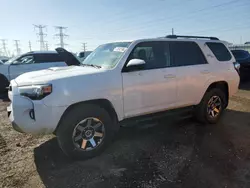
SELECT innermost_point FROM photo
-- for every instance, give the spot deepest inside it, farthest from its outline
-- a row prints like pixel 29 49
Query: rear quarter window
pixel 220 51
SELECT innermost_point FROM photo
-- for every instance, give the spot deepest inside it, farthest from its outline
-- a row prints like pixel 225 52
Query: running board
pixel 181 113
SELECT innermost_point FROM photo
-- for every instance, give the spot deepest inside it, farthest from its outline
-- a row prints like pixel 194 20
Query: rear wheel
pixel 86 131
pixel 211 106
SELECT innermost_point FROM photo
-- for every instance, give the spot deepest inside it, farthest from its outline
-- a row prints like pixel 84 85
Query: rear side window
pixel 186 53
pixel 48 58
pixel 220 51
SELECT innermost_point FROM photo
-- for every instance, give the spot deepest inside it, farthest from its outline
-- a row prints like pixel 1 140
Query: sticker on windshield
pixel 120 49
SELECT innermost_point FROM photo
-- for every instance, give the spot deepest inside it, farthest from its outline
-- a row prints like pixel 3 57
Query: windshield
pixel 12 59
pixel 107 55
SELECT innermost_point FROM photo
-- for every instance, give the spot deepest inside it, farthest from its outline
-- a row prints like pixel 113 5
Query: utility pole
pixel 61 35
pixel 18 50
pixel 47 46
pixel 172 31
pixel 41 35
pixel 30 46
pixel 84 46
pixel 4 47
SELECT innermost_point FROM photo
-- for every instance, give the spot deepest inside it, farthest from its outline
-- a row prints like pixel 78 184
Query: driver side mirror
pixel 135 64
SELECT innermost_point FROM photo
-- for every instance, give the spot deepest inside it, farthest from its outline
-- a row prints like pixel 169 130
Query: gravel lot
pixel 170 154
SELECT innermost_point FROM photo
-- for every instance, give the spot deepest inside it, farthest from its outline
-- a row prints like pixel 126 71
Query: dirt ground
pixel 171 154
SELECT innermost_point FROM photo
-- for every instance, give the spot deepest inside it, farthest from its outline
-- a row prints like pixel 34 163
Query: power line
pixel 30 46
pixel 61 35
pixel 41 35
pixel 154 22
pixel 18 50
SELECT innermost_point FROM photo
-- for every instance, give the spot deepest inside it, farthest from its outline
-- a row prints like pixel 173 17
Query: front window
pixel 107 55
pixel 24 60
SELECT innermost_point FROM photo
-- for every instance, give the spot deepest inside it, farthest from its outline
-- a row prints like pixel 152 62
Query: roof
pixel 42 52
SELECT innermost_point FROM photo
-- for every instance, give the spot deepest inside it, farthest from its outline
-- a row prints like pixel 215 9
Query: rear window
pixel 220 51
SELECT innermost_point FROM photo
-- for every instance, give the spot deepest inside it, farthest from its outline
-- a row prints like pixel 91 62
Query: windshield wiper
pixel 92 65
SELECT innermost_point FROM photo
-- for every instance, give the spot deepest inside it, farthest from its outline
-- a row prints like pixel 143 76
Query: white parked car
pixel 84 106
pixel 28 62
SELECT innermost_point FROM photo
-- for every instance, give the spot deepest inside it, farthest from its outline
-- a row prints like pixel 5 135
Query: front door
pixel 153 88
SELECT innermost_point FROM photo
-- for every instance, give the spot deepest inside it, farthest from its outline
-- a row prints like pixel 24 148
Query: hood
pixel 54 73
pixel 68 57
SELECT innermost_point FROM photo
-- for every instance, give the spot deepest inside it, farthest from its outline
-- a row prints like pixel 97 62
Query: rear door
pixel 192 69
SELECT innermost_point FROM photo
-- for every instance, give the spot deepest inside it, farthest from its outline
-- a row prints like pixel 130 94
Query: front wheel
pixel 86 131
pixel 211 106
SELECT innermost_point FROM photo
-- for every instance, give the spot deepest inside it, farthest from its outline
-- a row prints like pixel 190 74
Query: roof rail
pixel 194 37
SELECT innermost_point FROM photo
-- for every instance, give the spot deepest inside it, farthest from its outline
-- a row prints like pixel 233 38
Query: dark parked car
pixel 243 57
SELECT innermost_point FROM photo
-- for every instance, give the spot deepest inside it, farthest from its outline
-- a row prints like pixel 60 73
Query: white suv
pixel 85 105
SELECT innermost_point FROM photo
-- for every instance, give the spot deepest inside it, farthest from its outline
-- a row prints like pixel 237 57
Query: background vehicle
pixel 83 55
pixel 243 58
pixel 120 82
pixel 30 61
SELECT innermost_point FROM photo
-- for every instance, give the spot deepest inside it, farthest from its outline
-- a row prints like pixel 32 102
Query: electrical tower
pixel 4 47
pixel 61 35
pixel 30 46
pixel 18 50
pixel 84 46
pixel 41 35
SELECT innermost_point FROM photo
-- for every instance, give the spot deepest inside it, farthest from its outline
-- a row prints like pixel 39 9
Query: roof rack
pixel 194 37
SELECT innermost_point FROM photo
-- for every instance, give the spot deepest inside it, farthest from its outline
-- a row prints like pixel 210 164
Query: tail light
pixel 237 67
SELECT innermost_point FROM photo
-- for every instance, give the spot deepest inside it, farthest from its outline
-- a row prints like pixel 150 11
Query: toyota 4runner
pixel 85 105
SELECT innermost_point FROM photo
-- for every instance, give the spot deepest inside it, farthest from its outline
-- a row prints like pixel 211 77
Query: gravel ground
pixel 170 154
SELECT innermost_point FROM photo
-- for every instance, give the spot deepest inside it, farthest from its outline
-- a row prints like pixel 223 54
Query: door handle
pixel 169 76
pixel 205 71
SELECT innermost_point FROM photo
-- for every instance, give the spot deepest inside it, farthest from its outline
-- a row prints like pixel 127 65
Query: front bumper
pixel 33 117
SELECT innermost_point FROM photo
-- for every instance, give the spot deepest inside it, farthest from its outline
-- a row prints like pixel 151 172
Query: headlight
pixel 35 92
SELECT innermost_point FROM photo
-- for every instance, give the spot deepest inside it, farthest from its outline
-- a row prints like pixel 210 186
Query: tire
pixel 202 110
pixel 4 82
pixel 68 127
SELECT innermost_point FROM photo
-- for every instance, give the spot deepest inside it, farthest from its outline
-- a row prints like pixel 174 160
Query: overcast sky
pixel 99 21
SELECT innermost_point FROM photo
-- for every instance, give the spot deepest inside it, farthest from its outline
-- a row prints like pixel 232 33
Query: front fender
pixel 93 87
